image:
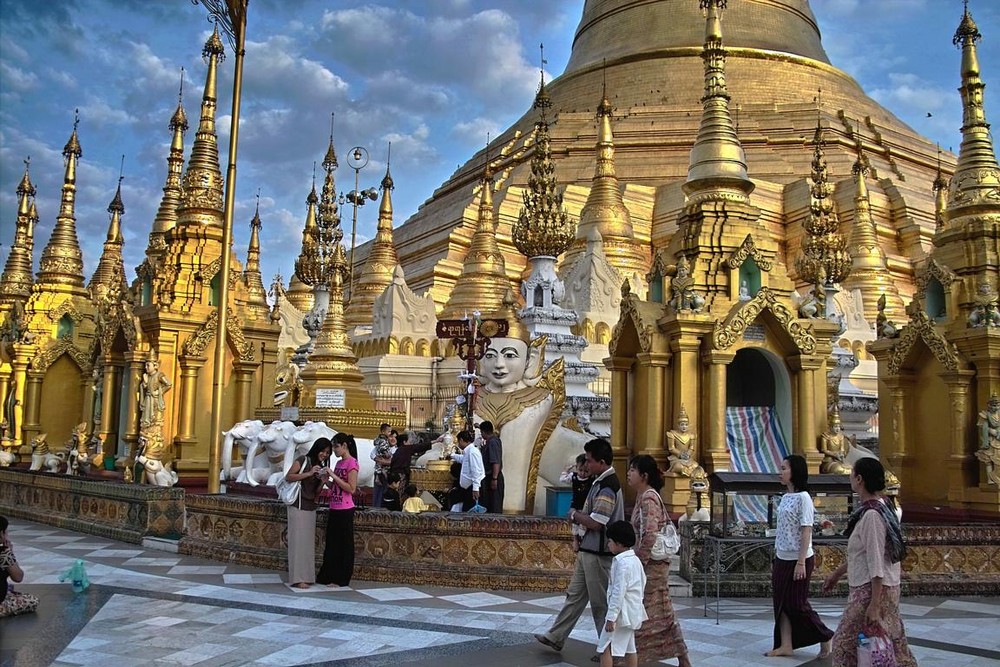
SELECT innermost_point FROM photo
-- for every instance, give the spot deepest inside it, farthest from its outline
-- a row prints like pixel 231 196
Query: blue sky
pixel 431 76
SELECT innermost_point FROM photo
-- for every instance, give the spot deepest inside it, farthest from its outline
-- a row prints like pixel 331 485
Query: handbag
pixel 876 651
pixel 667 542
pixel 288 492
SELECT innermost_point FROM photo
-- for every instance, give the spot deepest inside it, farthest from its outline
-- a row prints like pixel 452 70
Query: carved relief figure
pixel 98 387
pixel 985 312
pixel 154 385
pixel 835 446
pixel 989 439
pixel 682 444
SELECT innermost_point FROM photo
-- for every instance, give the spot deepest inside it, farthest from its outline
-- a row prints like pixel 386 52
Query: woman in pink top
pixel 875 549
pixel 338 556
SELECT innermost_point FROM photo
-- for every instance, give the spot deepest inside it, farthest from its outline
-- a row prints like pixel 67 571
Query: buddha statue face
pixel 683 424
pixel 504 365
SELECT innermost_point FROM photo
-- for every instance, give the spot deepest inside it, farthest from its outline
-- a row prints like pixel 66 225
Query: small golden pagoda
pixel 939 369
pixel 379 265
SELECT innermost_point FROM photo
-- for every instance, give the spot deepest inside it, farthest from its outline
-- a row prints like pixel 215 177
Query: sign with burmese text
pixel 331 398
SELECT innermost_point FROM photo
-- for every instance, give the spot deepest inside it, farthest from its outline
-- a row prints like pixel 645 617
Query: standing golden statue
pixel 835 445
pixel 154 385
pixel 989 439
pixel 681 444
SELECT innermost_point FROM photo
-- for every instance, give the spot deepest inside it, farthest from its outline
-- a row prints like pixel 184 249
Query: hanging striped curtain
pixel 756 444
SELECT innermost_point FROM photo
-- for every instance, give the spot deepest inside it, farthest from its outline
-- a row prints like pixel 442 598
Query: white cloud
pixel 475 130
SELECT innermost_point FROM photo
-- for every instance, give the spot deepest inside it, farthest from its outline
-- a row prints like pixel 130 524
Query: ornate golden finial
pixel 824 250
pixel 380 265
pixel 718 164
pixel 543 228
pixel 330 159
pixel 62 261
pixel 976 181
pixel 509 312
pixel 683 414
pixel 483 281
pixel 201 198
pixel 166 215
pixel 542 99
pixel 16 281
pixel 256 294
pixel 108 283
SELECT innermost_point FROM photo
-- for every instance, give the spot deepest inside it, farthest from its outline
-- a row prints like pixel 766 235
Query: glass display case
pixel 744 505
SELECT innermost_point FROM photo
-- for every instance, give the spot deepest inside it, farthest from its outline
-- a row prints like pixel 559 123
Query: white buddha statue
pixel 521 401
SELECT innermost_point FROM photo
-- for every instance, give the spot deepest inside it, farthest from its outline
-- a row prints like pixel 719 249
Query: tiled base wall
pixel 474 551
pixel 126 512
pixel 941 561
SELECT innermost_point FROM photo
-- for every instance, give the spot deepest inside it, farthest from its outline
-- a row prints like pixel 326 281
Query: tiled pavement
pixel 146 606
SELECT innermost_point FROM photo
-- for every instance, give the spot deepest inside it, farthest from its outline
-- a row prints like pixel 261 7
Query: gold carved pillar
pixel 714 455
pixel 134 363
pixel 893 424
pixel 19 420
pixel 962 466
pixel 185 439
pixel 620 398
pixel 649 432
pixel 110 392
pixel 6 372
pixel 686 384
pixel 32 404
pixel 806 440
pixel 244 372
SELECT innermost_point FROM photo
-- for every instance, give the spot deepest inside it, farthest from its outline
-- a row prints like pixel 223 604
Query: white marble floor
pixel 146 606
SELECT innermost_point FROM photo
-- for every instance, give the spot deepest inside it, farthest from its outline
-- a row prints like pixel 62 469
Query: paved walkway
pixel 146 606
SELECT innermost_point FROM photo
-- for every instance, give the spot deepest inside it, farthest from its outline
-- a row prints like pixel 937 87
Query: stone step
pixel 160 544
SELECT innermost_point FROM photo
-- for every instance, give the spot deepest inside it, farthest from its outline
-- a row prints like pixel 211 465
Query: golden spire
pixel 718 164
pixel 483 281
pixel 201 197
pixel 604 212
pixel 256 294
pixel 869 271
pixel 62 261
pixel 381 263
pixel 824 250
pixel 110 272
pixel 166 216
pixel 940 196
pixel 299 293
pixel 976 181
pixel 15 283
pixel 543 228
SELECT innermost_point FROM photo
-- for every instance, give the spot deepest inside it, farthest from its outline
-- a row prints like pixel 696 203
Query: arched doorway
pixel 758 415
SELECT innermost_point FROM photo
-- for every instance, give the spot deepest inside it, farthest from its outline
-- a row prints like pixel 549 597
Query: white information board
pixel 331 398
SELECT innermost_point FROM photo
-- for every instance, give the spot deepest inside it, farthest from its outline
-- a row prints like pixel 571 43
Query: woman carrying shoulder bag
pixel 875 550
pixel 660 636
pixel 307 470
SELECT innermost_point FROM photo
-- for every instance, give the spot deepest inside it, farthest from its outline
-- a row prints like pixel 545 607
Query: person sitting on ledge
pixel 12 602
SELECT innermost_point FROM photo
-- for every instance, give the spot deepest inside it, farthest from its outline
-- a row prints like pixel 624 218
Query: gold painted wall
pixel 930 440
pixel 61 401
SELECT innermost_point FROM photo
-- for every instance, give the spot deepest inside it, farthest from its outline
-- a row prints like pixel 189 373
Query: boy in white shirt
pixel 625 588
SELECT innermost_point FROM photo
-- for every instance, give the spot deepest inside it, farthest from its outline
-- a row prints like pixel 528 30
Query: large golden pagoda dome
pixel 648 54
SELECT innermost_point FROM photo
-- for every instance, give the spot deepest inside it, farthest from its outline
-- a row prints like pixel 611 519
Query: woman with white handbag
pixel 307 472
pixel 660 636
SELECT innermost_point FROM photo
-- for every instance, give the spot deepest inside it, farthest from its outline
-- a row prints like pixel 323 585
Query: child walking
pixel 625 589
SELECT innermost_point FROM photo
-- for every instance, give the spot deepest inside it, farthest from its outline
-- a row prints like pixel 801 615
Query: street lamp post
pixel 231 16
pixel 358 159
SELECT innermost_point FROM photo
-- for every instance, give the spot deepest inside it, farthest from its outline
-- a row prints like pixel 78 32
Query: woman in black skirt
pixel 795 623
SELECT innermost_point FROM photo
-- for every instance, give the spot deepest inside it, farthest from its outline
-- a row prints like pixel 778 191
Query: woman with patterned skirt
pixel 875 550
pixel 660 636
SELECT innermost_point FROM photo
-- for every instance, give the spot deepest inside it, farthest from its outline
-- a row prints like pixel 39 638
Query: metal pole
pixel 354 231
pixel 215 443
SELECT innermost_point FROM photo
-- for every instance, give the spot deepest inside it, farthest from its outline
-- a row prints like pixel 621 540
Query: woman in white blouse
pixel 796 624
pixel 875 550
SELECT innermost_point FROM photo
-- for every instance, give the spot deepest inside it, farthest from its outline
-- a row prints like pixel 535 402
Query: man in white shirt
pixel 473 472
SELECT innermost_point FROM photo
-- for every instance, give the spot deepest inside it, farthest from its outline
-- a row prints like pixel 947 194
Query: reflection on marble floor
pixel 147 606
